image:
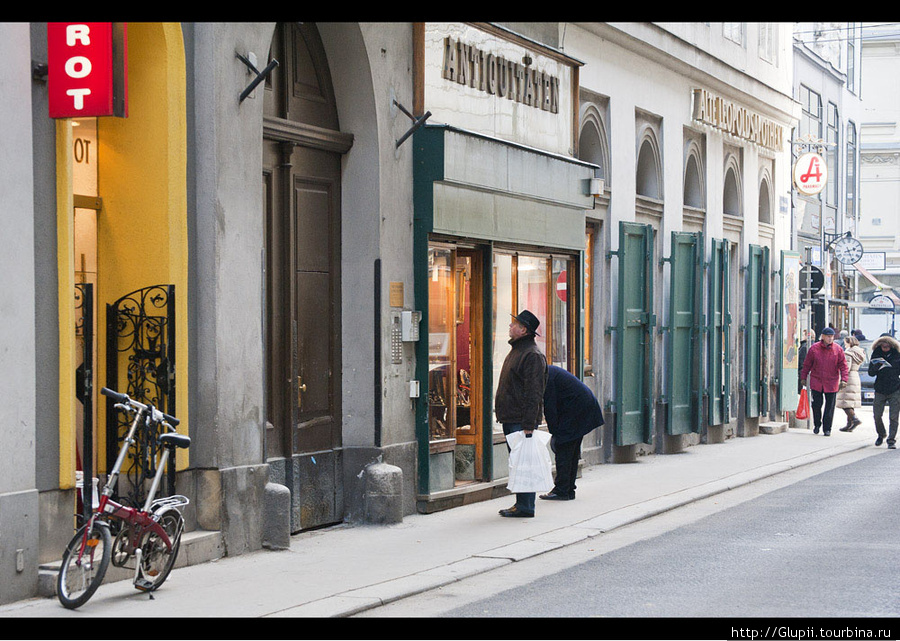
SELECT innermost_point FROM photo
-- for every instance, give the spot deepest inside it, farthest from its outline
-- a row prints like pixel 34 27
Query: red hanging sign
pixel 86 69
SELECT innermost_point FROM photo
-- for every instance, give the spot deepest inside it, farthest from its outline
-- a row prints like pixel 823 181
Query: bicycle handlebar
pixel 126 400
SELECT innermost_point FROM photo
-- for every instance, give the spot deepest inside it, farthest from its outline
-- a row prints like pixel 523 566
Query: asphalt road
pixel 818 543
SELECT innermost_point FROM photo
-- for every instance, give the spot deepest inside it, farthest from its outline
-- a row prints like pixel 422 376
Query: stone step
pixel 197 547
pixel 772 428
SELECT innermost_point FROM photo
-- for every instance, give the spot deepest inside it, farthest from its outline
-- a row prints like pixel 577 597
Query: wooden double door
pixel 302 149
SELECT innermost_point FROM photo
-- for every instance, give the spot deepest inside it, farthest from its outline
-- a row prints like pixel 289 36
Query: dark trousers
pixel 524 500
pixel 893 403
pixel 819 417
pixel 567 455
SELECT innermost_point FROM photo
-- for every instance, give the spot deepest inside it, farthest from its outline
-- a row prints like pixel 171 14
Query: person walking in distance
pixel 571 411
pixel 518 402
pixel 885 367
pixel 826 367
pixel 849 398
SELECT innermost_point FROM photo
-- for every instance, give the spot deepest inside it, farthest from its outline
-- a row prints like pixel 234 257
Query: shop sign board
pixel 880 301
pixel 729 117
pixel 810 173
pixel 486 80
pixel 86 69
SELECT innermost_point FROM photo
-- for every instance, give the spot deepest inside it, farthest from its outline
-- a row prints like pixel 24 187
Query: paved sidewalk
pixel 344 570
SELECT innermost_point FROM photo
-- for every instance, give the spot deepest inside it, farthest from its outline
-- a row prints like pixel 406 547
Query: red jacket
pixel 825 366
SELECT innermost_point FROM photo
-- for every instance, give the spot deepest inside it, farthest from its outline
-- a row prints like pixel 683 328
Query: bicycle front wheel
pixel 157 559
pixel 84 564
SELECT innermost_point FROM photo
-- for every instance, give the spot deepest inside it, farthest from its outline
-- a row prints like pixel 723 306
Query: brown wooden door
pixel 301 180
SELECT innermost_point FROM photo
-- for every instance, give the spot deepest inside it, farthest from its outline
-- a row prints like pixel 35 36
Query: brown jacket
pixel 520 390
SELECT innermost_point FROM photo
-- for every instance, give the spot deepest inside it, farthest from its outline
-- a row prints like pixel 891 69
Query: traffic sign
pixel 812 275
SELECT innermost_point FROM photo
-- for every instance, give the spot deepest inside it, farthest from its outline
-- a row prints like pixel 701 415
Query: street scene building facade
pixel 306 240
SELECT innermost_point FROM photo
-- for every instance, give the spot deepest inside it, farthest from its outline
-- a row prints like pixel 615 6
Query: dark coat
pixel 570 407
pixel 887 380
pixel 520 390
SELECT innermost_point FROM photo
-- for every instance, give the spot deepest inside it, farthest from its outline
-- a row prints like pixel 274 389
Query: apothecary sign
pixel 810 173
pixel 731 118
pixel 485 79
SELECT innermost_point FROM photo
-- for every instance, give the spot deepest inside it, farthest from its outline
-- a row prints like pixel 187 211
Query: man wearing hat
pixel 518 402
pixel 826 367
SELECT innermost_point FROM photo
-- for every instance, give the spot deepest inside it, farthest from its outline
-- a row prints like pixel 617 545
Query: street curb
pixel 357 600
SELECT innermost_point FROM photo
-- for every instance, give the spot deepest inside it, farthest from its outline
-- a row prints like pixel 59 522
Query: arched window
pixel 592 145
pixel 732 199
pixel 649 181
pixel 765 200
pixel 694 188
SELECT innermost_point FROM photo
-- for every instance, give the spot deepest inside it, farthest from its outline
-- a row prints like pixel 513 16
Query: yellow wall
pixel 142 226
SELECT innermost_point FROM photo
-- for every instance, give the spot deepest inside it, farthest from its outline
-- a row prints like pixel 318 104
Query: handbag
pixel 803 406
pixel 530 469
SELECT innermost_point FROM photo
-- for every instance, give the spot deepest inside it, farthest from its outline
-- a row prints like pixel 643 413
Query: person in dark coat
pixel 571 411
pixel 520 393
pixel 885 367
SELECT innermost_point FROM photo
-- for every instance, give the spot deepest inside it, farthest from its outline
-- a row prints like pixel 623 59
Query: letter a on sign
pixel 810 174
pixel 86 69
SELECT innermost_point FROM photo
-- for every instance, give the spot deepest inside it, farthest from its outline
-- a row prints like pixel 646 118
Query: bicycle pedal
pixel 143 585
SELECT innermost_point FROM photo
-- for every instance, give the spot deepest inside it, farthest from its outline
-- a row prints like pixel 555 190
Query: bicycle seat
pixel 175 440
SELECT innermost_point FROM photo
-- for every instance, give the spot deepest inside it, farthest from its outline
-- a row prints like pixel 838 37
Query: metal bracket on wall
pixel 417 122
pixel 260 75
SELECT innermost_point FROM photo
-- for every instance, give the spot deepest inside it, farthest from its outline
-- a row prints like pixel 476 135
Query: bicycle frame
pixel 150 535
pixel 140 521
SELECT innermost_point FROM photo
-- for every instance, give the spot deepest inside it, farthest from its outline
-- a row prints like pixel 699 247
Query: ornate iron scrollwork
pixel 141 336
pixel 84 384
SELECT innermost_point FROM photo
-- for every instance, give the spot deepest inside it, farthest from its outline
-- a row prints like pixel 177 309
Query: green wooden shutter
pixel 755 379
pixel 634 335
pixel 719 331
pixel 684 334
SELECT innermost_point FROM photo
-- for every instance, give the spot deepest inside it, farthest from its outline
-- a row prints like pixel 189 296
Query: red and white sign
pixel 810 174
pixel 81 69
pixel 562 288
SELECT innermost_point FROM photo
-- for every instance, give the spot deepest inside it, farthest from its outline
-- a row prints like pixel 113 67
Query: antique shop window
pixel 540 283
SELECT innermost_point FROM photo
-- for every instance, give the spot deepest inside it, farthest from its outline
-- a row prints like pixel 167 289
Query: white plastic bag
pixel 530 469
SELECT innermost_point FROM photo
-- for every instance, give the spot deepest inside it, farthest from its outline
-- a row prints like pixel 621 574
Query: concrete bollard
pixel 276 533
pixel 383 498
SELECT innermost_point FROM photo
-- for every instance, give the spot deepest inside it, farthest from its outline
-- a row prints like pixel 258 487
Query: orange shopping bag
pixel 803 406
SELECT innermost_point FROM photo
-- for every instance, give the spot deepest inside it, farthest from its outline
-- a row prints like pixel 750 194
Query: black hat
pixel 529 320
pixel 827 332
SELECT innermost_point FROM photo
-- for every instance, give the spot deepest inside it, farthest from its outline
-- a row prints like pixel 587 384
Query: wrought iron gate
pixel 84 385
pixel 140 334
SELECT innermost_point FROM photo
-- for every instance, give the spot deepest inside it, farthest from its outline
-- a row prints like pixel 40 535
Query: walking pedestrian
pixel 885 367
pixel 849 398
pixel 571 411
pixel 801 356
pixel 518 402
pixel 826 368
pixel 842 340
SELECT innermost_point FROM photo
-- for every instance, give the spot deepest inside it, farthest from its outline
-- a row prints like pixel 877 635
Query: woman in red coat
pixel 826 367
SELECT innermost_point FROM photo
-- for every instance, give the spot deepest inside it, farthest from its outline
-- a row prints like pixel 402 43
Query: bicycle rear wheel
pixel 157 559
pixel 84 565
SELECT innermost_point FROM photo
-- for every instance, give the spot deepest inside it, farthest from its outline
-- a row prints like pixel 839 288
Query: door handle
pixel 301 387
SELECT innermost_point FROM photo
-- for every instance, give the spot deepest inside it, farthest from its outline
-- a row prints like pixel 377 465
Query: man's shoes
pixel 515 512
pixel 892 446
pixel 879 441
pixel 816 429
pixel 553 496
pixel 827 433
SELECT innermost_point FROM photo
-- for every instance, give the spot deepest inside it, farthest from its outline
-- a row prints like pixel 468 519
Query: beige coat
pixel 850 396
